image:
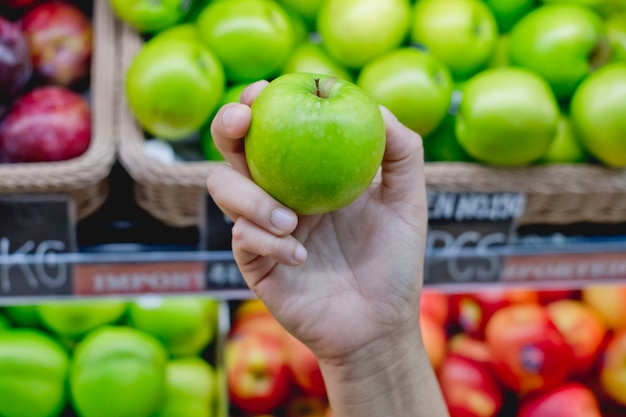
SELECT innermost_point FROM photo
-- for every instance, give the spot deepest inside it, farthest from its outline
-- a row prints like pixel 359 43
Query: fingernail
pixel 283 220
pixel 228 117
pixel 299 255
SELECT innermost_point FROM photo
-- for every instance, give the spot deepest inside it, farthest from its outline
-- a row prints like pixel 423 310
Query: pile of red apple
pixel 45 61
pixel 498 352
pixel 491 81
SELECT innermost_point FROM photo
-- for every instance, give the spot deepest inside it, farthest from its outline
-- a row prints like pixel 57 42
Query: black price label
pixel 218 227
pixel 33 229
pixel 463 230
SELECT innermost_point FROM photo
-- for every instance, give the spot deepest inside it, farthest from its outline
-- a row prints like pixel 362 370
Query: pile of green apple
pixel 507 83
pixel 109 358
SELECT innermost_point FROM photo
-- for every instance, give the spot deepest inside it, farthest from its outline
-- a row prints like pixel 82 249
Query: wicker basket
pixel 83 179
pixel 555 194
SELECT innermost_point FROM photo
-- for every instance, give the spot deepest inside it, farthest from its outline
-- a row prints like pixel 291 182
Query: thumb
pixel 403 162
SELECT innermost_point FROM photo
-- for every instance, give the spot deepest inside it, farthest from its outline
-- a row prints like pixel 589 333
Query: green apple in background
pixel 414 84
pixel 606 8
pixel 191 389
pixel 565 148
pixel 34 369
pixel 563 43
pixel 173 86
pixel 308 9
pixel 462 33
pixel 442 145
pixel 149 16
pixel 74 319
pixel 25 315
pixel 312 58
pixel 616 29
pixel 507 116
pixel 598 114
pixel 4 322
pixel 187 32
pixel 252 38
pixel 356 31
pixel 184 325
pixel 117 372
pixel 500 57
pixel 315 142
pixel 508 12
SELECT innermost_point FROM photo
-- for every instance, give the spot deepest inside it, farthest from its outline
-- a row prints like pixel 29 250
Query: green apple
pixel 563 43
pixel 442 145
pixel 356 31
pixel 252 38
pixel 462 33
pixel 508 12
pixel 507 116
pixel 173 86
pixel 187 32
pixel 565 148
pixel 117 372
pixel 149 16
pixel 415 85
pixel 4 322
pixel 308 9
pixel 315 142
pixel 500 57
pixel 191 389
pixel 312 58
pixel 34 369
pixel 210 151
pixel 184 325
pixel 616 29
pixel 24 315
pixel 606 8
pixel 74 319
pixel 598 114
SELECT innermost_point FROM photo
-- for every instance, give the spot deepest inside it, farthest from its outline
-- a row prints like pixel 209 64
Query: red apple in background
pixel 307 406
pixel 16 3
pixel 569 400
pixel 475 309
pixel 583 329
pixel 434 339
pixel 468 388
pixel 47 124
pixel 435 304
pixel 60 41
pixel 304 367
pixel 528 351
pixel 257 373
pixel 15 65
pixel 470 348
pixel 609 301
pixel 613 368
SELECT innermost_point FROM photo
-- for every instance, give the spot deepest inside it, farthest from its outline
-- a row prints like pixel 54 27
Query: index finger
pixel 230 125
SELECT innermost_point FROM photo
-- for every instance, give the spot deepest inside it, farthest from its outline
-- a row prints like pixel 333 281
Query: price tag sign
pixel 224 275
pixel 463 228
pixel 217 227
pixel 33 228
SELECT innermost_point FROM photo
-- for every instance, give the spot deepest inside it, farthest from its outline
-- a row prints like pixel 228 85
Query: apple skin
pixel 304 367
pixel 566 147
pixel 597 114
pixel 308 9
pixel 509 12
pixel 462 33
pixel 528 351
pixel 470 348
pixel 173 86
pixel 148 16
pixel 47 124
pixel 613 368
pixel 16 67
pixel 507 116
pixel 356 31
pixel 314 153
pixel 609 301
pixel 312 58
pixel 252 38
pixel 584 331
pixel 468 388
pixel 616 31
pixel 572 399
pixel 257 373
pixel 415 85
pixel 561 42
pixel 434 303
pixel 60 39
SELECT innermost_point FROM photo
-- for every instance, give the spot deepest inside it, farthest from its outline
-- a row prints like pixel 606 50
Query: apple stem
pixel 317 88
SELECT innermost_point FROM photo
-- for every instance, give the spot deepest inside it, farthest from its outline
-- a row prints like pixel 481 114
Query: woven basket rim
pixel 96 163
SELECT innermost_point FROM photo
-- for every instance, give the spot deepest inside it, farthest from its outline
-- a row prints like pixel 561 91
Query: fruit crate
pixel 84 178
pixel 555 194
